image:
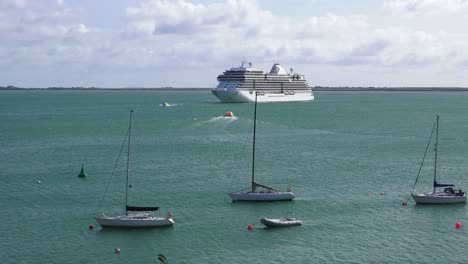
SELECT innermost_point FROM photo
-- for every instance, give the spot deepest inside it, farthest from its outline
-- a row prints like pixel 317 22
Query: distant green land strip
pixel 391 89
pixel 193 89
pixel 105 88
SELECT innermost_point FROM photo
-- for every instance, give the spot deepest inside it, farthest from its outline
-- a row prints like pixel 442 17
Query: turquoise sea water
pixel 338 154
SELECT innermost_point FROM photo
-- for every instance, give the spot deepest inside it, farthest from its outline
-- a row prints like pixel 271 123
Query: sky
pixel 188 43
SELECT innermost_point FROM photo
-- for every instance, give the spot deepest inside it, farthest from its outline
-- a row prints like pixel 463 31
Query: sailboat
pixel 258 192
pixel 135 216
pixel 449 194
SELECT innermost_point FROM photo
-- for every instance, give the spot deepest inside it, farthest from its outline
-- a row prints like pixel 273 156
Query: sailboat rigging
pixel 259 192
pixel 449 194
pixel 135 216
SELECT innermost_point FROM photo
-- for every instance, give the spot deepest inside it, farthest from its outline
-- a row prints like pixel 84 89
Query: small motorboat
pixel 281 222
pixel 228 114
pixel 165 104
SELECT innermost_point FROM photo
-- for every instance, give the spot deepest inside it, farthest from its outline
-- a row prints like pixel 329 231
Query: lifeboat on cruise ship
pixel 228 114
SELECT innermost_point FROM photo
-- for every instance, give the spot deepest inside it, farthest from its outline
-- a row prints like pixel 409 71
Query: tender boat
pixel 281 222
pixel 228 114
pixel 165 104
pixel 450 194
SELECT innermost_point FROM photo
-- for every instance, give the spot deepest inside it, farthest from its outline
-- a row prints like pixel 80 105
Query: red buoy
pixel 250 227
pixel 117 250
pixel 404 203
pixel 90 226
pixel 457 225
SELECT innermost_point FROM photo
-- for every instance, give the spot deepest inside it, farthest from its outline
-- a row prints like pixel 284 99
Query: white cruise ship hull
pixel 430 198
pixel 261 196
pixel 133 221
pixel 245 96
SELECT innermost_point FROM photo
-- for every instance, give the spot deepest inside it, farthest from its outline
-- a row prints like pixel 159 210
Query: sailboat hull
pixel 431 198
pixel 262 196
pixel 133 221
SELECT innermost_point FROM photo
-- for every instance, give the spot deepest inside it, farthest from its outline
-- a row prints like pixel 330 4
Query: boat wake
pixel 222 119
pixel 167 105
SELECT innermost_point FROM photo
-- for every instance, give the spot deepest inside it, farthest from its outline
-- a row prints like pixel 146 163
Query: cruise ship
pixel 237 85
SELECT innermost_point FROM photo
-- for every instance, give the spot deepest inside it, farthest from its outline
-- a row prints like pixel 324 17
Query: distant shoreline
pixel 13 88
pixel 193 89
pixel 391 89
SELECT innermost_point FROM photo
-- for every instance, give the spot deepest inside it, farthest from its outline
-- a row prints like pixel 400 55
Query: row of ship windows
pixel 223 82
pixel 224 78
pixel 267 87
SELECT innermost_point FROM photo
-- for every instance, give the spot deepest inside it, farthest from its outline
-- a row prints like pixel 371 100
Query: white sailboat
pixel 259 192
pixel 449 194
pixel 135 216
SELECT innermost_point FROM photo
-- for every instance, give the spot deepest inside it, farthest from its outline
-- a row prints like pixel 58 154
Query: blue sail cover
pixel 436 185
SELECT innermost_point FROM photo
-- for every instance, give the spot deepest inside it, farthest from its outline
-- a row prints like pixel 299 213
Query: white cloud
pixel 427 7
pixel 242 28
pixel 185 17
pixel 42 33
pixel 13 4
pixel 173 36
pixel 215 33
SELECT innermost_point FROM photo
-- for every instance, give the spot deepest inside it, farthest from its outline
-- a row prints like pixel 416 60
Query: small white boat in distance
pixel 165 104
pixel 450 194
pixel 281 222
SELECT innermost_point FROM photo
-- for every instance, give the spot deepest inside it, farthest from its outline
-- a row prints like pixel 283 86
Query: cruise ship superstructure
pixel 237 85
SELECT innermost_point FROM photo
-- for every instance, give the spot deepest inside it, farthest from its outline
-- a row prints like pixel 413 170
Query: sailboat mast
pixel 128 157
pixel 253 144
pixel 435 151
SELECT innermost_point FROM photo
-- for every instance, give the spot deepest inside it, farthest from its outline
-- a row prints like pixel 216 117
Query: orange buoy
pixel 91 226
pixel 250 227
pixel 457 225
pixel 117 250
